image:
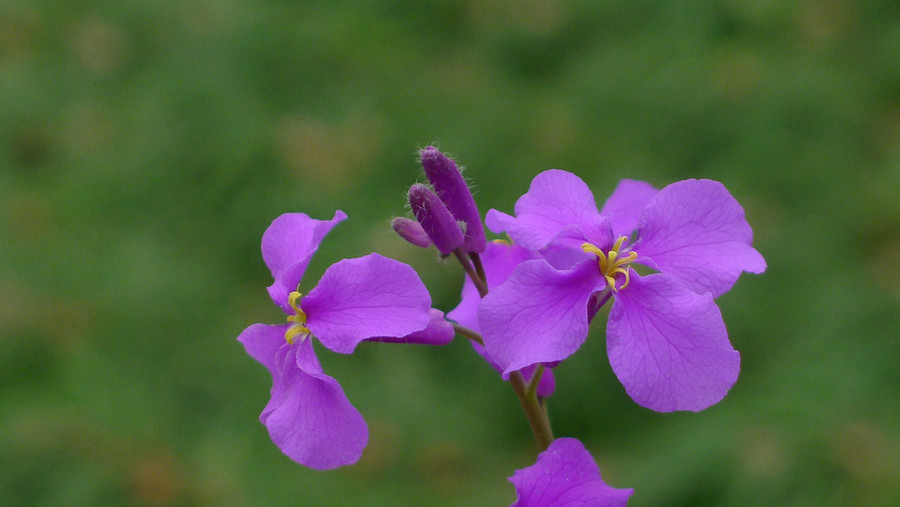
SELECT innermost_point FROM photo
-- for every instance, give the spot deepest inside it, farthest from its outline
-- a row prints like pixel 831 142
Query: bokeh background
pixel 145 147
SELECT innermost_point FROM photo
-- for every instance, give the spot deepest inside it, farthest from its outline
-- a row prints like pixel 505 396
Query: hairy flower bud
pixel 411 231
pixel 436 220
pixel 451 187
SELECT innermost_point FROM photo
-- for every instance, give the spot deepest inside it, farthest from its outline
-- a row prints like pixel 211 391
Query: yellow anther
pixel 590 248
pixel 298 318
pixel 610 263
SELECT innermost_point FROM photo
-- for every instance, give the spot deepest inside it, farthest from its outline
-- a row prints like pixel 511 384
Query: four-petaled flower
pixel 367 298
pixel 666 340
pixel 565 475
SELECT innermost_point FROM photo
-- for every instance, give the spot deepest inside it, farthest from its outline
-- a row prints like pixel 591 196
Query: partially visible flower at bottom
pixel 565 475
pixel 370 298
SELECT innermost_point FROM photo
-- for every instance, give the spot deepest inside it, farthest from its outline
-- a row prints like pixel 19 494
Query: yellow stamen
pixel 299 319
pixel 610 263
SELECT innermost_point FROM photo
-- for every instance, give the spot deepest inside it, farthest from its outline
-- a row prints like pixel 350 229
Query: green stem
pixel 479 268
pixel 470 270
pixel 468 333
pixel 534 411
pixel 535 380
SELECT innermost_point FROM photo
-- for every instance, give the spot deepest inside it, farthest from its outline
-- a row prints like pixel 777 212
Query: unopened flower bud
pixel 435 219
pixel 451 187
pixel 411 231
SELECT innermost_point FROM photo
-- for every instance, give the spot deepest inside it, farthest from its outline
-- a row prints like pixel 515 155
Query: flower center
pixel 299 320
pixel 611 263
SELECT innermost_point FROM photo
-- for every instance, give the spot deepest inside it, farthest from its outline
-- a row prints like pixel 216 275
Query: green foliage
pixel 145 146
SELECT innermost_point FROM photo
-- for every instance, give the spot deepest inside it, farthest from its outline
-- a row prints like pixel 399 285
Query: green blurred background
pixel 145 147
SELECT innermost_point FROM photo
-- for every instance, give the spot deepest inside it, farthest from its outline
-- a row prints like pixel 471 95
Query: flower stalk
pixel 526 392
pixel 535 411
pixel 472 270
pixel 468 333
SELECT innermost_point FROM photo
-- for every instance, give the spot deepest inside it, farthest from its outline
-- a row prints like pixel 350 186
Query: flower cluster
pixel 661 256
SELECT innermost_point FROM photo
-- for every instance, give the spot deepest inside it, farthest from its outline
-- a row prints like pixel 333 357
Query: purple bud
pixel 435 219
pixel 451 187
pixel 411 231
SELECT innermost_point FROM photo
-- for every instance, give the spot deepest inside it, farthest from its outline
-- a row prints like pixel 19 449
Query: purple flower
pixel 367 298
pixel 565 475
pixel 666 340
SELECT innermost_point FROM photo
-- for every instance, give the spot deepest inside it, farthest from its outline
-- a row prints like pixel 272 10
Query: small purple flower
pixel 451 187
pixel 565 475
pixel 367 298
pixel 666 340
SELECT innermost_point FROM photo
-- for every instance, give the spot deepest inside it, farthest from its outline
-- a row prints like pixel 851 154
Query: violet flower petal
pixel 366 297
pixel 539 315
pixel 499 260
pixel 451 187
pixel 565 475
pixel 311 420
pixel 308 416
pixel 262 341
pixel 438 332
pixel 668 345
pixel 287 247
pixel 625 205
pixel 696 231
pixel 556 199
pixel 265 343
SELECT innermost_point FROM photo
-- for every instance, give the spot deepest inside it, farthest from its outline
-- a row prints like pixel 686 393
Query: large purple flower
pixel 367 298
pixel 565 475
pixel 666 340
